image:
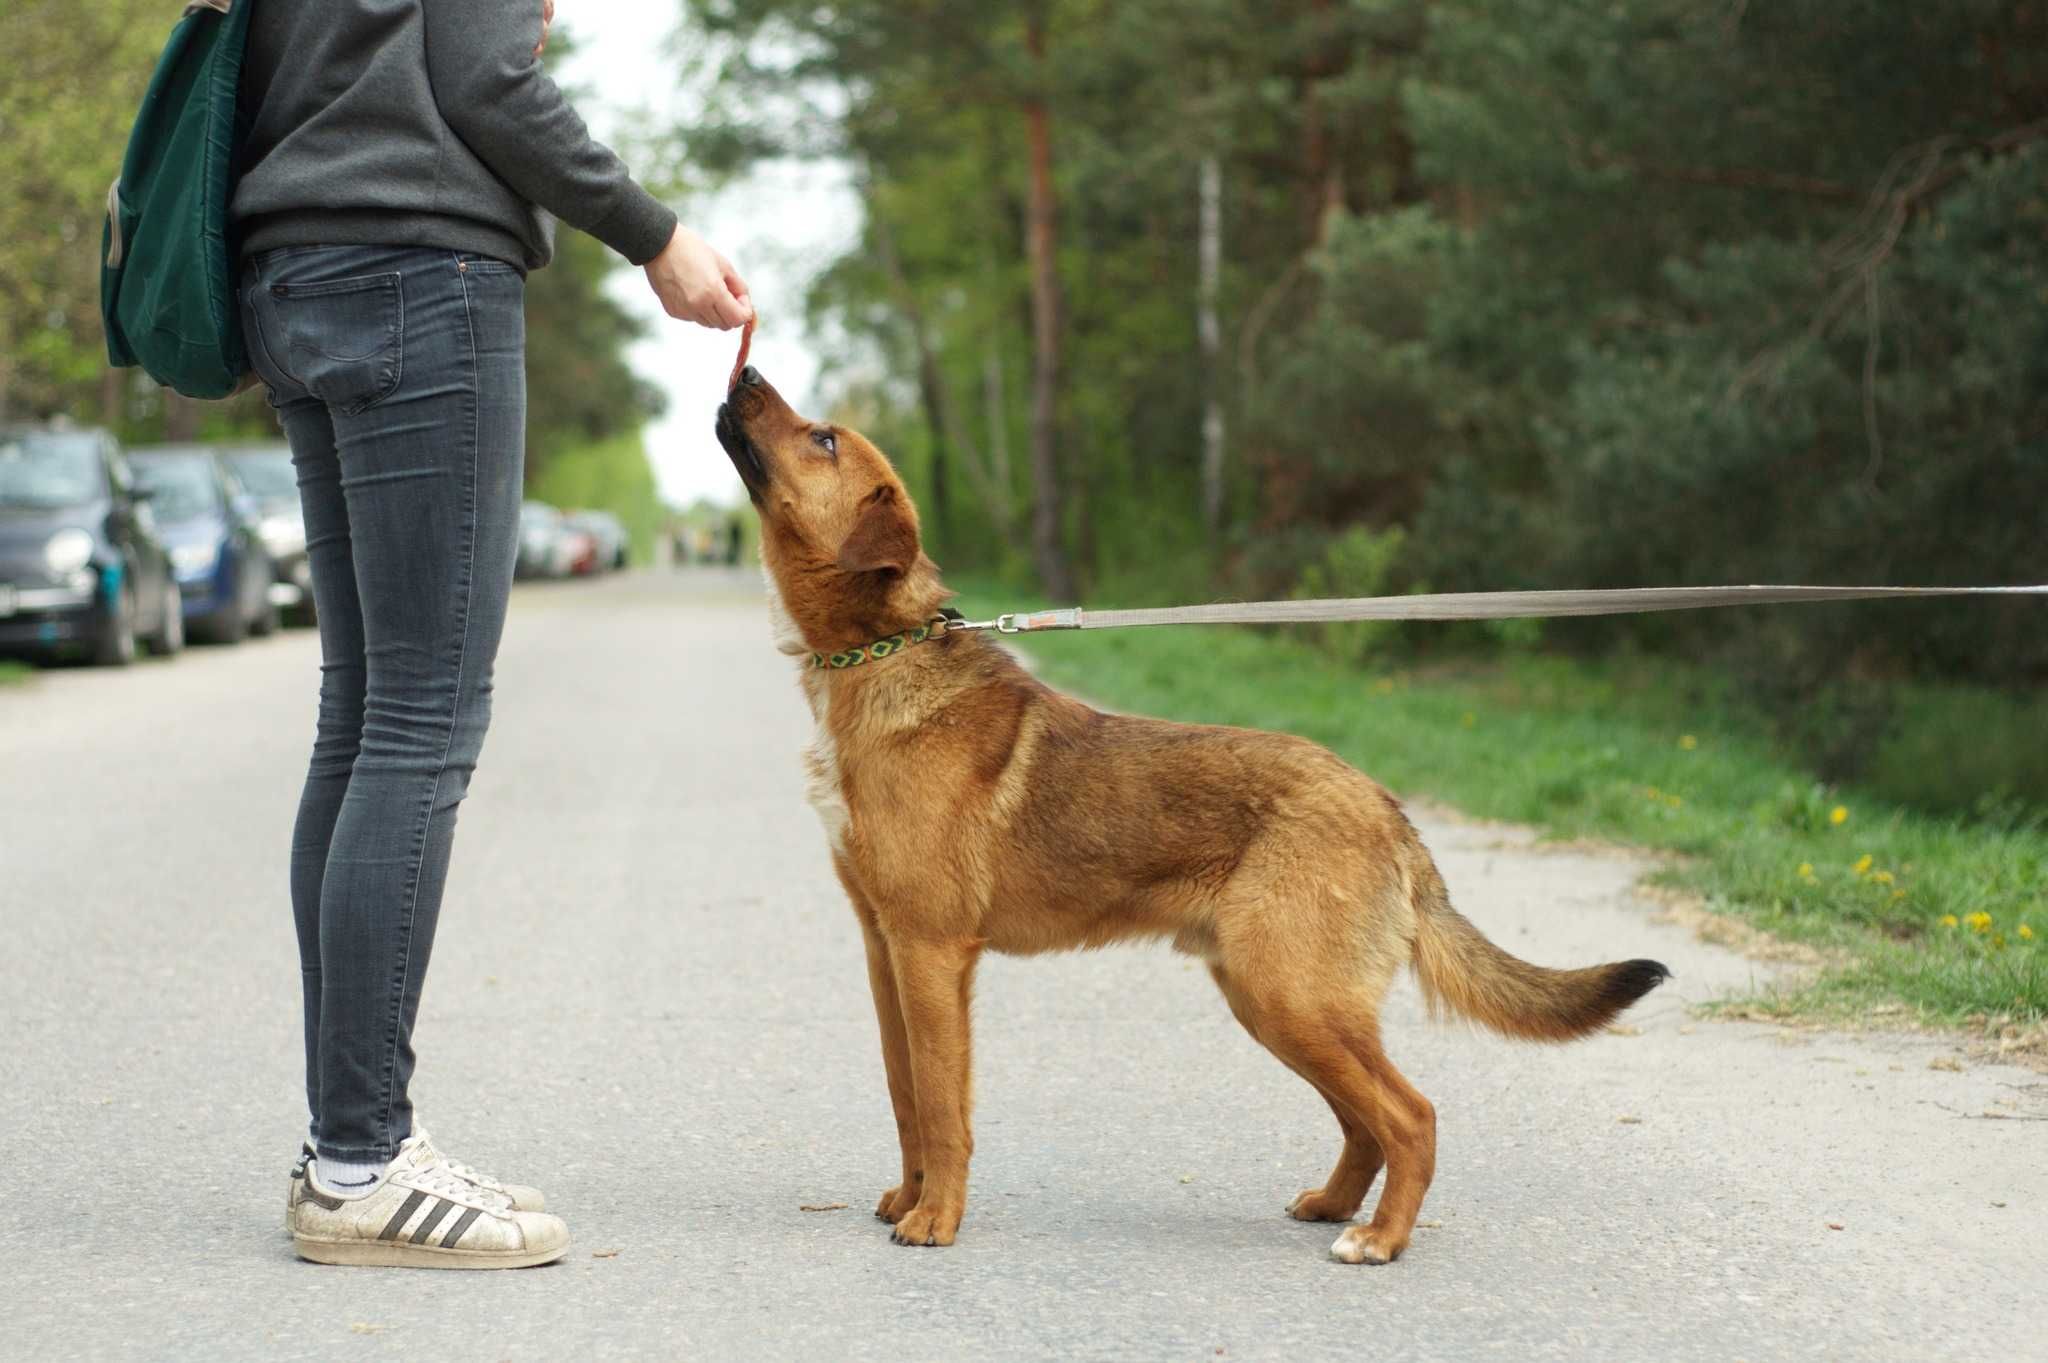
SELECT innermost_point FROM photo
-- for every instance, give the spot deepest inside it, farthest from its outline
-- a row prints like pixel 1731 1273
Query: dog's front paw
pixel 1320 1204
pixel 926 1226
pixel 897 1202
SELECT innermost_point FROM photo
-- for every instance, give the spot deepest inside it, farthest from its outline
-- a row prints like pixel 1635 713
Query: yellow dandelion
pixel 1469 719
pixel 1687 742
pixel 1977 922
pixel 1998 939
pixel 1385 686
pixel 1883 877
pixel 1673 800
pixel 1838 815
pixel 2026 933
pixel 1862 866
pixel 1948 920
pixel 1805 871
pixel 1898 895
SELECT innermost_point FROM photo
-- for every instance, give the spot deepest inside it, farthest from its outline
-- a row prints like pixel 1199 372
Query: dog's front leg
pixel 896 1061
pixel 935 983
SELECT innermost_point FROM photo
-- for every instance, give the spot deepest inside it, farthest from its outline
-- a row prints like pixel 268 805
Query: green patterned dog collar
pixel 882 648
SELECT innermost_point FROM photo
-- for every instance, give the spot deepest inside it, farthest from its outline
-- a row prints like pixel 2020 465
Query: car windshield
pixel 44 470
pixel 181 486
pixel 267 475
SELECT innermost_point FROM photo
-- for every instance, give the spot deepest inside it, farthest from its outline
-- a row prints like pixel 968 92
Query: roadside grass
pixel 1946 915
pixel 14 673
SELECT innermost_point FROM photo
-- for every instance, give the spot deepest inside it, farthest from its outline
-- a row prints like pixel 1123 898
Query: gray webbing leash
pixel 1465 606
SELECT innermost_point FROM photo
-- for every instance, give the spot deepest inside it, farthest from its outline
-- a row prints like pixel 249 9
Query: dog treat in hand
pixel 739 366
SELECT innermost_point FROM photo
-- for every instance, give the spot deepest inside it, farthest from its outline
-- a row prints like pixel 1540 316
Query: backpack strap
pixel 116 249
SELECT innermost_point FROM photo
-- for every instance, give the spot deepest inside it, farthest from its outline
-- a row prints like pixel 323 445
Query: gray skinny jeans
pixel 399 376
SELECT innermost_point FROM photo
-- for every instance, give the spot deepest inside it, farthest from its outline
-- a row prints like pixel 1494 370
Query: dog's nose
pixel 750 377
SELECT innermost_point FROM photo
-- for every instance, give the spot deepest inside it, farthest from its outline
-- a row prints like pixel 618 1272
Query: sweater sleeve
pixel 493 93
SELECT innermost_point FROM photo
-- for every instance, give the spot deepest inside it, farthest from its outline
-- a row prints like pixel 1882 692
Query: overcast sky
pixel 778 229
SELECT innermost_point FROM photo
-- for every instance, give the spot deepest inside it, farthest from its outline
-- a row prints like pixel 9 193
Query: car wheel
pixel 116 644
pixel 170 637
pixel 230 626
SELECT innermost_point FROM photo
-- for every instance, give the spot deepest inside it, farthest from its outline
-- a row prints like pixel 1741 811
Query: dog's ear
pixel 884 539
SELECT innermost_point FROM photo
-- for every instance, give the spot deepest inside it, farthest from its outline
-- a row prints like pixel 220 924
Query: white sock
pixel 347 1180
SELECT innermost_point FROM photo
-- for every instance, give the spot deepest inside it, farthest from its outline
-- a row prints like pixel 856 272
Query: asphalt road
pixel 648 998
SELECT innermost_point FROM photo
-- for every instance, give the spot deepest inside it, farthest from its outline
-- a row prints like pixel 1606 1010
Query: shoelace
pixel 480 1179
pixel 455 1177
pixel 439 1178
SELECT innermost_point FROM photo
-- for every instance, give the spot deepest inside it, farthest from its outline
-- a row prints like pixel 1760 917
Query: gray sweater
pixel 422 123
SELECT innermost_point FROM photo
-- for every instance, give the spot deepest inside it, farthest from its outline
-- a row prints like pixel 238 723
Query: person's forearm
pixel 492 91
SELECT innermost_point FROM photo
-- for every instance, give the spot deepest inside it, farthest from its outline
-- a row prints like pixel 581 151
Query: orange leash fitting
pixel 739 366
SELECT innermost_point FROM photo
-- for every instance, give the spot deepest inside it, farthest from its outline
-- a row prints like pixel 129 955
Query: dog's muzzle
pixel 732 435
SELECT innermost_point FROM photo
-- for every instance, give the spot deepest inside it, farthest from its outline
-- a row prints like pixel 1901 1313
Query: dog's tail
pixel 1464 973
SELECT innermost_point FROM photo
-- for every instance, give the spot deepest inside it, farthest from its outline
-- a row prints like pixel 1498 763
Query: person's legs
pixel 338 735
pixel 416 360
pixel 309 429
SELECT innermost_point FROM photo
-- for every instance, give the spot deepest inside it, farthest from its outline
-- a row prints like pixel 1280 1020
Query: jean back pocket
pixel 343 338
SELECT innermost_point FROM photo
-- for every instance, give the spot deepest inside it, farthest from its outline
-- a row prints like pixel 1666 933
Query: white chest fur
pixel 823 786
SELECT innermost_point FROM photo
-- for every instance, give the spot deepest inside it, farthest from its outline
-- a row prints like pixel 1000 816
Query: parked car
pixel 81 566
pixel 613 544
pixel 209 524
pixel 267 475
pixel 547 547
pixel 581 548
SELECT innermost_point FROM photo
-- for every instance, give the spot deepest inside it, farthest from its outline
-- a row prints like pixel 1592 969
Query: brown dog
pixel 969 806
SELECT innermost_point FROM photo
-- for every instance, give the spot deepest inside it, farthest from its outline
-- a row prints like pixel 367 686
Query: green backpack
pixel 167 281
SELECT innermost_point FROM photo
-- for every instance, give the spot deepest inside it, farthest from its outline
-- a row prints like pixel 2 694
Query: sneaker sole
pixel 390 1254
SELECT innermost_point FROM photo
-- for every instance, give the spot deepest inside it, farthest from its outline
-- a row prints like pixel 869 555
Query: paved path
pixel 649 998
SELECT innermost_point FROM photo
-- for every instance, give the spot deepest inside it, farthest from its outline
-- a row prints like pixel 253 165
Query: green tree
pixel 1575 293
pixel 580 390
pixel 1728 309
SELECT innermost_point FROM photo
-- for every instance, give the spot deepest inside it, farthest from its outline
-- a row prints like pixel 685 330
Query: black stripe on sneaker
pixel 392 1227
pixel 431 1220
pixel 455 1232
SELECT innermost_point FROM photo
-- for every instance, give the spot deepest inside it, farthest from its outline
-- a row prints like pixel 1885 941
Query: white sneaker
pixel 422 1214
pixel 297 1186
pixel 524 1199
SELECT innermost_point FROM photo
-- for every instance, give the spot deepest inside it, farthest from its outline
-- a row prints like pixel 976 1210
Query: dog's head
pixel 839 535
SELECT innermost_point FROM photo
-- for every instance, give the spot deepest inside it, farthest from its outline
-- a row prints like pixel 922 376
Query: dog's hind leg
pixel 1344 1191
pixel 1334 1044
pixel 1361 1160
pixel 1404 1122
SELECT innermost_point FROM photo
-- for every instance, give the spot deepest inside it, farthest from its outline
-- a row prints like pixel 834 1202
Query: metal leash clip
pixel 1026 622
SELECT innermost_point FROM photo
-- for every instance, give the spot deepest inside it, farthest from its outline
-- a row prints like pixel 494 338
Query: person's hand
pixel 547 16
pixel 697 284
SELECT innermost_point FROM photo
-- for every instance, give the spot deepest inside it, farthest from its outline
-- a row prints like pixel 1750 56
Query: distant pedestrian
pixel 402 157
pixel 735 535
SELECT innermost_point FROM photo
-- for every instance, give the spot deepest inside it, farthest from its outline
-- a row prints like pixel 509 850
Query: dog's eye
pixel 825 441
